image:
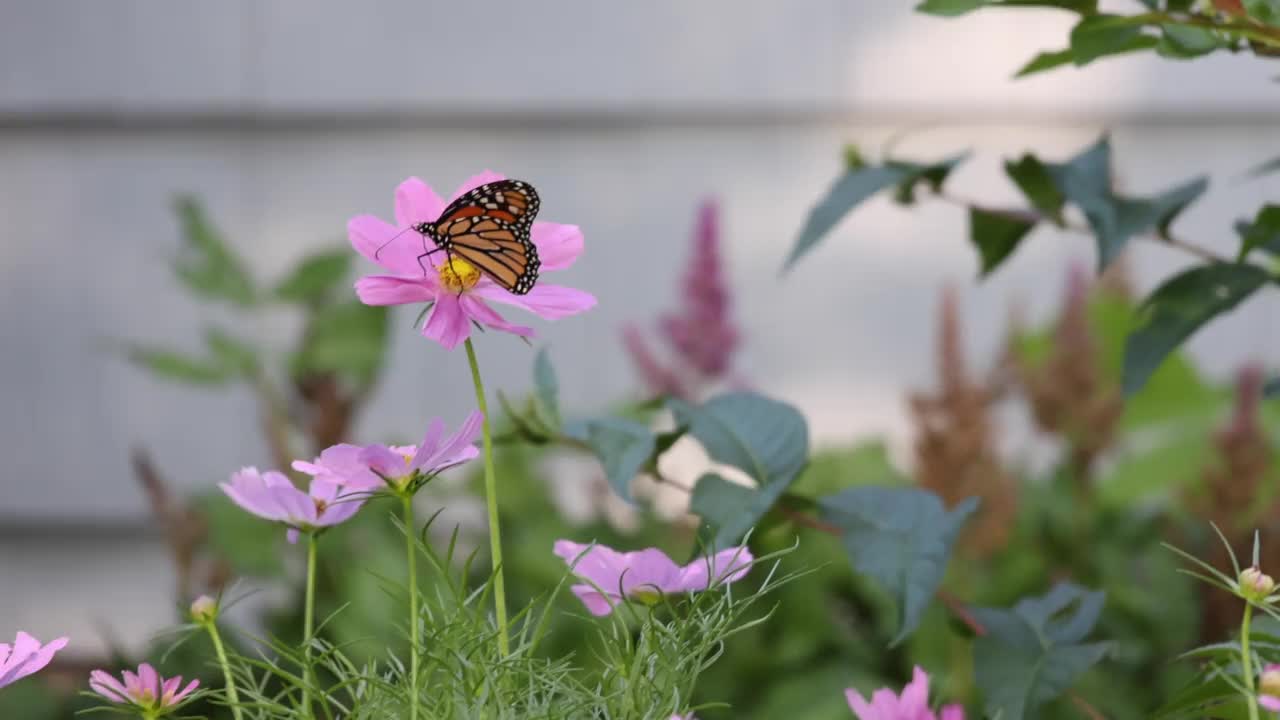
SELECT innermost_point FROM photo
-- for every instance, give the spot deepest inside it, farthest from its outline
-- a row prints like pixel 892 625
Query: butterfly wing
pixel 489 227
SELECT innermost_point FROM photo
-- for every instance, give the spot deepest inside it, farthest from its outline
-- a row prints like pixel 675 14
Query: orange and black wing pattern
pixel 489 227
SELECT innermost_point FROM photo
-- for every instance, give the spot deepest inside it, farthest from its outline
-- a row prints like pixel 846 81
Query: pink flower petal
pixel 385 461
pixel 550 302
pixel 484 178
pixel 728 565
pixel 396 249
pixel 956 712
pixel 448 324
pixel 596 603
pixel 391 290
pixel 650 570
pixel 191 686
pixel 476 308
pixel 292 535
pixel 416 202
pixel 149 679
pixel 914 700
pixel 456 449
pixel 558 245
pixel 430 443
pixel 861 707
pixel 107 686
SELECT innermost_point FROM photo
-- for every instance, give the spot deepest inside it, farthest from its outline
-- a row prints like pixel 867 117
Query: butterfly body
pixel 489 227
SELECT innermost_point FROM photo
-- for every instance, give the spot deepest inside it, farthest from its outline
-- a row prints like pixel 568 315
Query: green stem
pixel 233 697
pixel 491 497
pixel 308 622
pixel 1246 660
pixel 410 530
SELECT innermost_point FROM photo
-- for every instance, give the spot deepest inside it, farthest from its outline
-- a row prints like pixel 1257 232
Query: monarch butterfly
pixel 489 228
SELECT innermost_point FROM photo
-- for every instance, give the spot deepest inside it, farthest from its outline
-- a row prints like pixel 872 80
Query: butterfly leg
pixel 428 253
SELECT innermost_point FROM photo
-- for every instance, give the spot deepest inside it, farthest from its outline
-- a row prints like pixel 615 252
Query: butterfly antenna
pixel 393 239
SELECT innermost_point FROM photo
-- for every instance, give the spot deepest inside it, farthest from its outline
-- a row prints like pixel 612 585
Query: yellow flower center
pixel 457 275
pixel 646 596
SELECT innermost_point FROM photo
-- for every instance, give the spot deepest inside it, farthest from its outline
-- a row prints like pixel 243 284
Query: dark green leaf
pixel 766 439
pixel 900 537
pixel 316 277
pixel 1098 36
pixel 949 8
pixel 1186 41
pixel 727 509
pixel 547 387
pixel 1033 179
pixel 932 175
pixel 996 234
pixel 1263 232
pixel 1178 308
pixel 1046 60
pixel 857 185
pixel 206 264
pixel 623 447
pixel 349 338
pixel 1033 653
pixel 237 356
pixel 181 367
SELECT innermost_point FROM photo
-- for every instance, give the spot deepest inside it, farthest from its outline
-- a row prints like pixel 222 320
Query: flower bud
pixel 1254 585
pixel 1269 683
pixel 204 609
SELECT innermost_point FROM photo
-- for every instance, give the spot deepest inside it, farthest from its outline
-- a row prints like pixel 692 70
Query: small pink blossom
pixel 145 691
pixel 644 575
pixel 912 704
pixel 458 292
pixel 369 468
pixel 25 656
pixel 272 496
pixel 1269 688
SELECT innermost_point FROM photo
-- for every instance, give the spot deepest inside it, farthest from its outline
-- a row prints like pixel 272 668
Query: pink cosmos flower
pixel 401 467
pixel 913 704
pixel 25 656
pixel 1269 688
pixel 271 496
pixel 458 292
pixel 644 575
pixel 146 691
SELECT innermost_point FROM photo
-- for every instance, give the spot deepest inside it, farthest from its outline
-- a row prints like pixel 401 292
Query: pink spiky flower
pixel 458 293
pixel 26 656
pixel 644 575
pixel 912 704
pixel 398 468
pixel 272 496
pixel 144 691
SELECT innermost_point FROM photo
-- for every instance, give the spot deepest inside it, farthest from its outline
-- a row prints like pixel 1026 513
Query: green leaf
pixel 766 439
pixel 206 264
pixel 1033 653
pixel 1178 308
pixel 623 447
pixel 834 469
pixel 1201 693
pixel 233 354
pixel 952 8
pixel 547 387
pixel 181 367
pixel 348 338
pixel 316 277
pixel 996 234
pixel 1263 233
pixel 1046 60
pixel 1098 36
pixel 726 508
pixel 949 8
pixel 932 175
pixel 1264 168
pixel 1272 388
pixel 1033 179
pixel 1186 41
pixel 857 185
pixel 901 538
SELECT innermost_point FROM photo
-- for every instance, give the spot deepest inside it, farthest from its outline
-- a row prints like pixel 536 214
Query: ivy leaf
pixel 728 510
pixel 1263 232
pixel 546 388
pixel 1099 36
pixel 1046 60
pixel 207 265
pixel 1179 307
pixel 315 278
pixel 181 367
pixel 623 447
pixel 348 338
pixel 996 234
pixel 1037 185
pixel 1186 41
pixel 1034 652
pixel 901 538
pixel 859 183
pixel 766 439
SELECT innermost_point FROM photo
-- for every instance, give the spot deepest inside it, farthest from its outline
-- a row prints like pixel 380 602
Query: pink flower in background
pixel 459 293
pixel 25 656
pixel 701 334
pixel 644 575
pixel 146 691
pixel 371 467
pixel 913 704
pixel 1269 688
pixel 272 496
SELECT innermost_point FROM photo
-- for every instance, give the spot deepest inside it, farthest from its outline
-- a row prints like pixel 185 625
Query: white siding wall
pixel 286 118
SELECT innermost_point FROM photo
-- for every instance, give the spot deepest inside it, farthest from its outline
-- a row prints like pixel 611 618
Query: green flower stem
pixel 411 550
pixel 309 623
pixel 491 497
pixel 1246 661
pixel 233 697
